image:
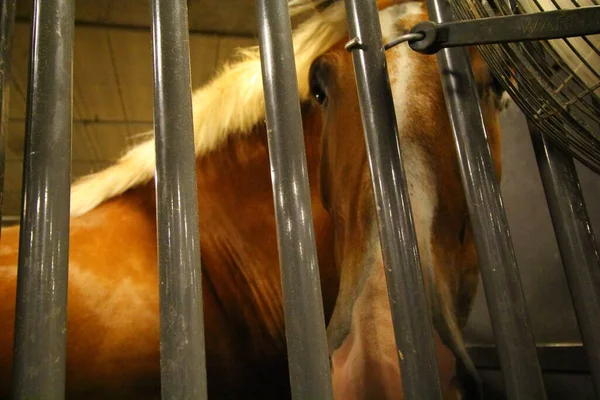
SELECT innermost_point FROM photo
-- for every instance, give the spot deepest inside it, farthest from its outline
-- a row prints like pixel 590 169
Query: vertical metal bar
pixel 498 264
pixel 41 308
pixel 183 363
pixel 308 355
pixel 7 23
pixel 575 239
pixel 410 314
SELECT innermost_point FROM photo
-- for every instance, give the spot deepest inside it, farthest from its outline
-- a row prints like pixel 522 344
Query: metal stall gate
pixel 44 242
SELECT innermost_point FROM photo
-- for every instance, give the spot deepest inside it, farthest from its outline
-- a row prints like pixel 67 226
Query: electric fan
pixel 556 83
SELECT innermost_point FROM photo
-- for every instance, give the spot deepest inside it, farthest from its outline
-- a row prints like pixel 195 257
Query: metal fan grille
pixel 555 83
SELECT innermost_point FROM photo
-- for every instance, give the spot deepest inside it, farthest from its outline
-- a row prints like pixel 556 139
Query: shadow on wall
pixel 548 300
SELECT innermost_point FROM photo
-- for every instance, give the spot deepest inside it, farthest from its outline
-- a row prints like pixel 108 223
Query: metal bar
pixel 411 316
pixel 41 307
pixel 511 28
pixel 308 354
pixel 575 240
pixel 554 357
pixel 498 264
pixel 7 23
pixel 183 362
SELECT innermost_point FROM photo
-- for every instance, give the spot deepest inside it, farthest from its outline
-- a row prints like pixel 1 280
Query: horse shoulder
pixel 112 327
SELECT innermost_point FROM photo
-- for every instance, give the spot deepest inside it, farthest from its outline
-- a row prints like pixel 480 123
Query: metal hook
pixel 407 37
pixel 354 43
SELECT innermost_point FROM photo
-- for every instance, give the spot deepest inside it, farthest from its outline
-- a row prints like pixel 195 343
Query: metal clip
pixel 407 37
pixel 353 44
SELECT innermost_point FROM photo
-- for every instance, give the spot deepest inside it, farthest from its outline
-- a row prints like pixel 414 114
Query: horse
pixel 360 332
pixel 113 314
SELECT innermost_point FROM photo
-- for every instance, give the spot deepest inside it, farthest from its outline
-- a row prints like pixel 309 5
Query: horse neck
pixel 238 237
pixel 238 231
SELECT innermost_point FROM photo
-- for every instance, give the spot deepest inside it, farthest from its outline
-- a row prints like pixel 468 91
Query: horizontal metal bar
pixel 575 239
pixel 7 23
pixel 308 355
pixel 41 308
pixel 557 357
pixel 497 260
pixel 183 364
pixel 411 316
pixel 512 28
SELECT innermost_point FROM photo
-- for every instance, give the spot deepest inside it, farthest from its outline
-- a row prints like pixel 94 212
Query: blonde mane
pixel 231 103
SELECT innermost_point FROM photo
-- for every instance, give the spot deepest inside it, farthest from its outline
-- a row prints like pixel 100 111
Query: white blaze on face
pixel 366 366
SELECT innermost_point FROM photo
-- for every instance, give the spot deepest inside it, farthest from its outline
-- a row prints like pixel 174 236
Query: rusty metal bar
pixel 41 308
pixel 308 355
pixel 411 316
pixel 183 364
pixel 498 264
pixel 575 240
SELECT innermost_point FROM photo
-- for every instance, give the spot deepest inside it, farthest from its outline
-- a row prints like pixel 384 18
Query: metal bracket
pixel 354 44
pixel 513 28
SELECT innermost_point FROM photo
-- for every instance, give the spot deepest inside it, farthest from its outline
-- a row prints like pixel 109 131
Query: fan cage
pixel 555 83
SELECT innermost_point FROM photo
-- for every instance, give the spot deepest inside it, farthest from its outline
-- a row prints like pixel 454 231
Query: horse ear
pixel 301 6
pixel 486 79
pixel 300 10
pixel 322 4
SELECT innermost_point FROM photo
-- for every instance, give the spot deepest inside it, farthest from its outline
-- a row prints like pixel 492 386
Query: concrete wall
pixel 548 299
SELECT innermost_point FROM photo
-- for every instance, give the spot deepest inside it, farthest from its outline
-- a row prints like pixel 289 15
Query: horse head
pixel 360 334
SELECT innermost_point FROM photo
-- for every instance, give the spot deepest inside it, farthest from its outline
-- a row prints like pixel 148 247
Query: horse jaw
pixel 366 365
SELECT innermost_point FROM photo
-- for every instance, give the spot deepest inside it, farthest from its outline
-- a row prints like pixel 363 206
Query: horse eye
pixel 319 96
pixel 316 82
